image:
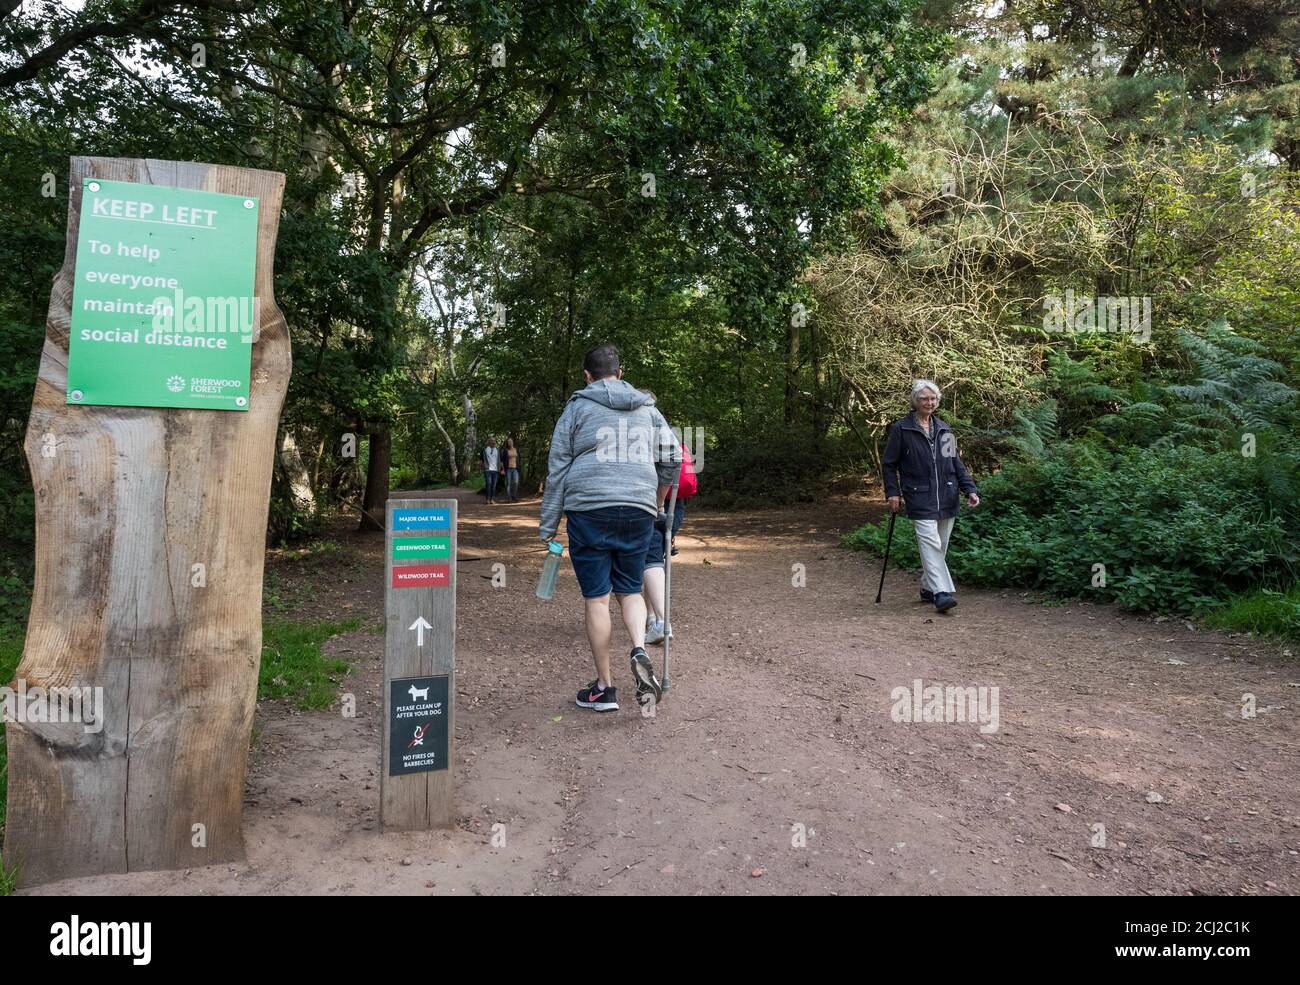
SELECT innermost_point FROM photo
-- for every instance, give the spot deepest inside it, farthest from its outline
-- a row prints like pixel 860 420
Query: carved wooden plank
pixel 131 499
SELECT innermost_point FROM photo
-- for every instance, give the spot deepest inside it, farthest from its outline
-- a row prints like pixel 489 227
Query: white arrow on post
pixel 420 625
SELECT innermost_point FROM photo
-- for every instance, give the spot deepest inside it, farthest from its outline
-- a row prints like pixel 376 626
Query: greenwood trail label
pixel 422 547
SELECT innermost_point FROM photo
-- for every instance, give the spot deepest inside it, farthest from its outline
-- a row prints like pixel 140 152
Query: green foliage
pixel 920 194
pixel 404 477
pixel 1032 428
pixel 871 537
pixel 15 598
pixel 1178 533
pixel 287 522
pixel 30 252
pixel 1176 529
pixel 1235 388
pixel 1264 613
pixel 1069 148
pixel 11 651
pixel 1222 389
pixel 293 666
pixel 291 582
pixel 781 470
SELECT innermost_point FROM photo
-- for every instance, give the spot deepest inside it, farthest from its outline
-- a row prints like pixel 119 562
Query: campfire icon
pixel 419 735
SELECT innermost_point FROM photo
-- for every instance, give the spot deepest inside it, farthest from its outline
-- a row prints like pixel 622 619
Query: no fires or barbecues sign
pixel 417 724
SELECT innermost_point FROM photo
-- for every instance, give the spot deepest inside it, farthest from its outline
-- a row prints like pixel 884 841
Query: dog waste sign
pixel 163 305
pixel 417 725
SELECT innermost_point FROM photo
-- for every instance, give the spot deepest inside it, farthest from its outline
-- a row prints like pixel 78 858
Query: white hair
pixel 919 385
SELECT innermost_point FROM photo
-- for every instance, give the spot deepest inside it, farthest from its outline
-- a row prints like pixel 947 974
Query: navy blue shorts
pixel 654 556
pixel 608 547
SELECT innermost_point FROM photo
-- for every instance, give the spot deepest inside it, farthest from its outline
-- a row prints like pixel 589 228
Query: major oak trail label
pixel 163 304
pixel 430 520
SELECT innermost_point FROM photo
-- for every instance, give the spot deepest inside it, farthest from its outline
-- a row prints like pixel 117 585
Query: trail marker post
pixel 416 778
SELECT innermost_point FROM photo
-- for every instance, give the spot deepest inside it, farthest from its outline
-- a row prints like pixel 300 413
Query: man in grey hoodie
pixel 612 462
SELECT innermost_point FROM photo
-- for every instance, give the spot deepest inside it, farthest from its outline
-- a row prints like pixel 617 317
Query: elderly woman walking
pixel 923 473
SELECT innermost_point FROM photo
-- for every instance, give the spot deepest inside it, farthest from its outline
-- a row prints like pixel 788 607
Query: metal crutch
pixel 668 575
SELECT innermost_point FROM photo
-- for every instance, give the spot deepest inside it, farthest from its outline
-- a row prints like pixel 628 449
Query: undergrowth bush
pixel 1266 613
pixel 1172 528
pixel 777 470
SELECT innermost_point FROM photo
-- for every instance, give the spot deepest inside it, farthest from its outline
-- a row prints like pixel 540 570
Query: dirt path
pixel 779 716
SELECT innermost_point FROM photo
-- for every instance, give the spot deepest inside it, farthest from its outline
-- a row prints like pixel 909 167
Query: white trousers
pixel 932 540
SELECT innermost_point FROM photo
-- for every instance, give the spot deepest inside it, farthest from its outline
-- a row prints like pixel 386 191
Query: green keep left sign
pixel 163 308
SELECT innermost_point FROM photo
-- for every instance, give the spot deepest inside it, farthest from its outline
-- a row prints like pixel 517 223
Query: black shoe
pixel 592 696
pixel 943 601
pixel 927 595
pixel 646 681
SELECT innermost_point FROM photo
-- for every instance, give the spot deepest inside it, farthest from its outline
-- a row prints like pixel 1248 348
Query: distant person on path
pixel 511 456
pixel 491 463
pixel 687 486
pixel 924 474
pixel 612 462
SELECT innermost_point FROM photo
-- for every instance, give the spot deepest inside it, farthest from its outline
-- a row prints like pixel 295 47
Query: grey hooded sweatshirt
pixel 611 447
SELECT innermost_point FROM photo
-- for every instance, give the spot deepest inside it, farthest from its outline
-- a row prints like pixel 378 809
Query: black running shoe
pixel 943 601
pixel 592 696
pixel 644 673
pixel 927 595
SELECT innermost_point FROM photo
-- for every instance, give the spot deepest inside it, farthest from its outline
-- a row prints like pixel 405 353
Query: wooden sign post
pixel 151 516
pixel 416 779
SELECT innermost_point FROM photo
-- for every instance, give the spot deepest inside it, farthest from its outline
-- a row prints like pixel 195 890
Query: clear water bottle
pixel 550 570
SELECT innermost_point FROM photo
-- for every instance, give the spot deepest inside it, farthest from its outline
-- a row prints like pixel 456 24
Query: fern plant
pixel 1234 390
pixel 1186 489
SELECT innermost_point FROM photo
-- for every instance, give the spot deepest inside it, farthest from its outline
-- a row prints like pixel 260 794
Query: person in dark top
pixel 924 475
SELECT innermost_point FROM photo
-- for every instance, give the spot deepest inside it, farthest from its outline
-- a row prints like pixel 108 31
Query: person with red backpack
pixel 653 579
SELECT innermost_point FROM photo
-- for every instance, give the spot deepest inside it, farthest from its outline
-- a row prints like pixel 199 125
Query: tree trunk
pixel 456 478
pixel 820 420
pixel 471 437
pixel 295 475
pixel 376 496
pixel 791 371
pixel 132 501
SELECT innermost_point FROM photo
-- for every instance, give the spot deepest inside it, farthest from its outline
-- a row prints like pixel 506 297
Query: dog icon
pixel 417 694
